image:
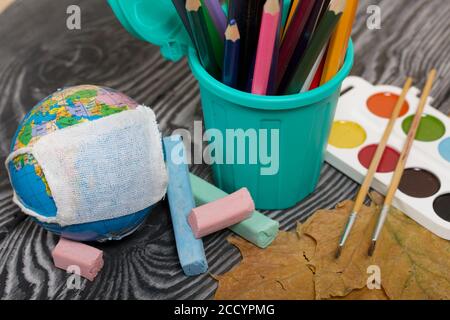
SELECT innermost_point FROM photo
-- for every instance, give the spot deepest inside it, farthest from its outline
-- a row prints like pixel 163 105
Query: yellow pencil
pixel 339 42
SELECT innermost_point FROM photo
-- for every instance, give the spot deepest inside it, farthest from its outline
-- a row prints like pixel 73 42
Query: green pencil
pixel 202 40
pixel 217 40
pixel 319 40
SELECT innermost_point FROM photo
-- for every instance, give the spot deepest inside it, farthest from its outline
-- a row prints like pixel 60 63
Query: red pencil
pixel 316 81
pixel 267 38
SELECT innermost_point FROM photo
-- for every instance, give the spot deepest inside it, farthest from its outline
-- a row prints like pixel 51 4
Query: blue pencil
pixel 231 57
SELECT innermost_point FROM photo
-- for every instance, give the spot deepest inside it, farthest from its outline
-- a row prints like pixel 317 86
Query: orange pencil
pixel 266 45
pixel 339 42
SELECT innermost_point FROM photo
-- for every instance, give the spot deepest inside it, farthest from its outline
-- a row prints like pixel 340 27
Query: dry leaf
pixel 279 272
pixel 365 294
pixel 414 263
pixel 339 277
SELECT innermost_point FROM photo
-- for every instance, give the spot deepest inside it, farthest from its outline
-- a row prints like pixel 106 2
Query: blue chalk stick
pixel 181 201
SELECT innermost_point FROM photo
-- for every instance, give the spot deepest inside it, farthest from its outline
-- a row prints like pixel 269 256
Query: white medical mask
pixel 100 170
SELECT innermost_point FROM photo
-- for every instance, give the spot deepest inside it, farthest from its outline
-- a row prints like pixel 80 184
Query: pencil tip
pixel 337 6
pixel 372 248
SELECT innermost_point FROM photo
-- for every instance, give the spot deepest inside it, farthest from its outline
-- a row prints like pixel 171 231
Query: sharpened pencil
pixel 248 14
pixel 319 40
pixel 293 34
pixel 339 42
pixel 180 6
pixel 266 44
pixel 319 7
pixel 231 56
pixel 272 86
pixel 201 37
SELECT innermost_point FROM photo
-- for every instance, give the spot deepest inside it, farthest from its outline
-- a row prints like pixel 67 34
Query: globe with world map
pixel 65 108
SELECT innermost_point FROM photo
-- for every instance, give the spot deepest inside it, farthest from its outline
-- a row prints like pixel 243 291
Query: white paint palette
pixel 362 115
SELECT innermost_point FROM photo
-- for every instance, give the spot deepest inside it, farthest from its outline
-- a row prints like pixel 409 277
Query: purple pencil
pixel 217 16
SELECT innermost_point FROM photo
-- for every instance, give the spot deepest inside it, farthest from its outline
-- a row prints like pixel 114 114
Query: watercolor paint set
pixel 362 114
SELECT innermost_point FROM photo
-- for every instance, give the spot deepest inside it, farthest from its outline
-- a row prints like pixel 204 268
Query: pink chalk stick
pixel 222 213
pixel 70 253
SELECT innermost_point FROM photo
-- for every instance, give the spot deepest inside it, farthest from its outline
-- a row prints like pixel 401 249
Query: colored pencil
pixel 231 56
pixel 180 6
pixel 319 40
pixel 316 14
pixel 293 34
pixel 217 15
pixel 271 87
pixel 316 81
pixel 248 14
pixel 266 44
pixel 314 70
pixel 359 202
pixel 292 10
pixel 339 42
pixel 216 39
pixel 398 173
pixel 202 41
pixel 324 8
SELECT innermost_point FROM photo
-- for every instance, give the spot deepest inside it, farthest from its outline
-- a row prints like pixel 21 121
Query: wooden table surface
pixel 39 55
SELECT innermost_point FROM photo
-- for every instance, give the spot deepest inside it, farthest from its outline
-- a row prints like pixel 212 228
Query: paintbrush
pixel 359 202
pixel 398 173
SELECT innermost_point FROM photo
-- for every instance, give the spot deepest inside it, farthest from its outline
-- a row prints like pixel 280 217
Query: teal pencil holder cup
pixel 303 122
pixel 295 128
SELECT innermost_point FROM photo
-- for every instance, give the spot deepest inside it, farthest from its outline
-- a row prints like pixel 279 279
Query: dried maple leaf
pixel 278 272
pixel 339 277
pixel 365 294
pixel 414 263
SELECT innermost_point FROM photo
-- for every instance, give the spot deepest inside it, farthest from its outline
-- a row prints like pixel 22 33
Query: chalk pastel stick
pixel 258 229
pixel 181 202
pixel 86 259
pixel 222 213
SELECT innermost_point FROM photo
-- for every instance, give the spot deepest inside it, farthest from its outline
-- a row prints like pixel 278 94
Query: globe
pixel 62 109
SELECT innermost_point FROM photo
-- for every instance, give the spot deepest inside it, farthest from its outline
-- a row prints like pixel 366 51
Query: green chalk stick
pixel 258 229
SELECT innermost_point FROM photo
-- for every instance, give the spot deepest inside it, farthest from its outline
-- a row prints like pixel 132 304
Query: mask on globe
pixel 100 170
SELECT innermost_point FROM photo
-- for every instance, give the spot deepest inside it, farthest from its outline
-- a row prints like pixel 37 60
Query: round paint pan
pixel 419 183
pixel 383 104
pixel 444 149
pixel 442 206
pixel 430 128
pixel 388 161
pixel 347 135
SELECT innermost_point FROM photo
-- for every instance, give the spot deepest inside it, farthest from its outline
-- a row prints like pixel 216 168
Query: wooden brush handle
pixel 410 140
pixel 381 147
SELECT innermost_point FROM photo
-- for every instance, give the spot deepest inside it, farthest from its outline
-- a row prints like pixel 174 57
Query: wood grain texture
pixel 38 55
